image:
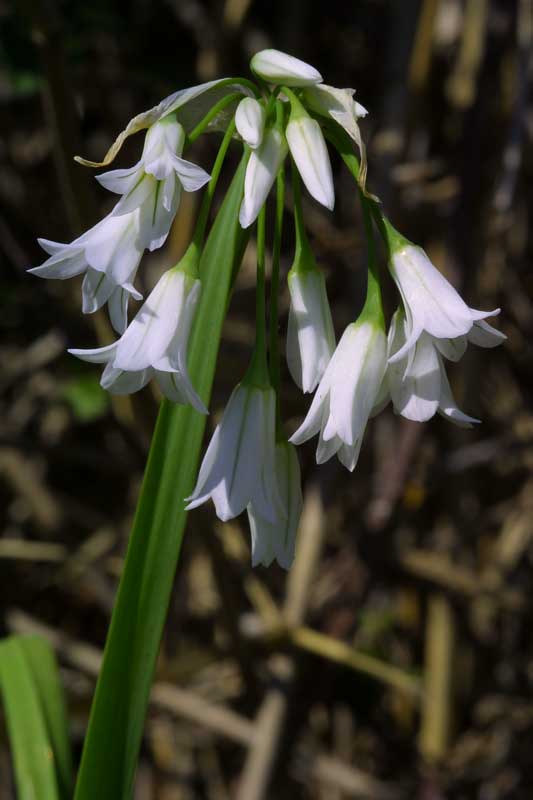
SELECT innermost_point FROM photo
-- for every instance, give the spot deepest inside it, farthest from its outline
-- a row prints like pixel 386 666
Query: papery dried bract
pixel 192 104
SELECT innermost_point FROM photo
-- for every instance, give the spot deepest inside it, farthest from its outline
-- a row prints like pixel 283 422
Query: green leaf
pixel 43 665
pixel 117 717
pixel 33 755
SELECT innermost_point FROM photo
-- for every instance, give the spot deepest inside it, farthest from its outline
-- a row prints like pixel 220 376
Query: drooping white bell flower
pixel 347 394
pixel 109 255
pixel 250 121
pixel 261 170
pixel 430 301
pixel 417 383
pixel 154 184
pixel 341 107
pixel 277 540
pixel 238 468
pixel 155 343
pixel 310 334
pixel 275 66
pixel 310 153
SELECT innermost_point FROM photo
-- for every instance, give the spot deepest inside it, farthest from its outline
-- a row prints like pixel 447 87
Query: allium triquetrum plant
pixel 287 115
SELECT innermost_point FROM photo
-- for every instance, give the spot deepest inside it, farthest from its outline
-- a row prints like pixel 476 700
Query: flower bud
pixel 277 67
pixel 250 121
pixel 309 151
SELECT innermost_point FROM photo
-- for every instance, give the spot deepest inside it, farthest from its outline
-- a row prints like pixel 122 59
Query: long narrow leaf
pixel 115 728
pixel 43 665
pixel 33 756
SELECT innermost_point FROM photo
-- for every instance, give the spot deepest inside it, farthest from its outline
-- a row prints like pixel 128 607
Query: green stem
pixel 373 303
pixel 370 208
pixel 257 373
pixel 201 223
pixel 211 114
pixel 303 253
pixel 296 107
pixel 274 284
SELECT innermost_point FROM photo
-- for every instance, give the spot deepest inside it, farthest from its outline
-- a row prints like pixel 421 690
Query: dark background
pixel 422 559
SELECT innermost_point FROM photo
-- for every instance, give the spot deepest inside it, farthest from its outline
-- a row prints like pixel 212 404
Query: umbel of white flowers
pixel 249 464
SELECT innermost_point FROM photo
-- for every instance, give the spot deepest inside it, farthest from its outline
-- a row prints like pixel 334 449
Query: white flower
pixel 277 540
pixel 347 394
pixel 277 67
pixel 310 335
pixel 154 343
pixel 261 170
pixel 418 383
pixel 430 301
pixel 238 468
pixel 250 121
pixel 154 184
pixel 109 255
pixel 341 107
pixel 310 153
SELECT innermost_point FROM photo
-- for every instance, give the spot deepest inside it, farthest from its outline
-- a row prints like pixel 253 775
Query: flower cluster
pixel 249 464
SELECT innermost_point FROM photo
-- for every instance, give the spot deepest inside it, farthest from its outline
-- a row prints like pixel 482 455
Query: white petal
pixel 433 302
pixel 416 392
pixel 360 363
pixel 98 355
pixel 448 406
pixel 452 349
pixel 191 176
pixel 96 290
pixel 177 387
pixel 116 381
pixel 309 151
pixel 484 335
pixel 140 194
pixel 349 456
pixel 340 106
pixel 242 480
pixel 261 170
pixel 63 264
pixel 318 409
pixel 310 336
pixel 277 540
pixel 221 453
pixel 250 121
pixel 157 214
pixel 164 140
pixel 118 307
pixel 327 448
pixel 148 335
pixel 112 246
pixel 277 67
pixel 50 247
pixel 121 181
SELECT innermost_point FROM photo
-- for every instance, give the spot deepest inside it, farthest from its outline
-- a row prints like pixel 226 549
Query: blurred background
pixel 396 659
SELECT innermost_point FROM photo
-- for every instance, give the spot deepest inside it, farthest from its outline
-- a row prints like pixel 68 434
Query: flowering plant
pixel 288 116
